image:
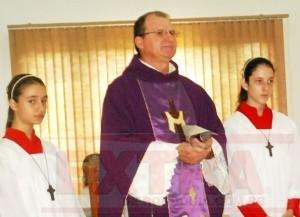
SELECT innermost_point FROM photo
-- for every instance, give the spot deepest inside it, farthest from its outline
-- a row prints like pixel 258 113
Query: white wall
pixel 57 11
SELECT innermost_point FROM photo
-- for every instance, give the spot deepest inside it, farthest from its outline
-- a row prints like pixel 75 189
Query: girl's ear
pixel 244 84
pixel 13 104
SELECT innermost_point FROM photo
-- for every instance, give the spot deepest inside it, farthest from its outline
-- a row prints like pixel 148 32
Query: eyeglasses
pixel 161 33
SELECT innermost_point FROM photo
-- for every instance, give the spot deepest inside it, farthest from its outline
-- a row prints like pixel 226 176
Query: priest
pixel 147 166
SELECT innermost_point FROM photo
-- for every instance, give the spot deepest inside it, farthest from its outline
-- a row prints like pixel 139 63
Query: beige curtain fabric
pixel 213 54
pixel 77 63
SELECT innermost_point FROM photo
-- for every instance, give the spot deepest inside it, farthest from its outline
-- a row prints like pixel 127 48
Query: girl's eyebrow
pixel 35 96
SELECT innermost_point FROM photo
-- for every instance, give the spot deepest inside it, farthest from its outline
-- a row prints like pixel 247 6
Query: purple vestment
pixel 126 132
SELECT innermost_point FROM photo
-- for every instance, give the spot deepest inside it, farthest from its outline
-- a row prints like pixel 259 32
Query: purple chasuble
pixel 187 195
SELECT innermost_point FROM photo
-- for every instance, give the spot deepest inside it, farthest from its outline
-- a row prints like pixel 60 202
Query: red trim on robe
pixel 31 146
pixel 252 210
pixel 260 122
pixel 294 204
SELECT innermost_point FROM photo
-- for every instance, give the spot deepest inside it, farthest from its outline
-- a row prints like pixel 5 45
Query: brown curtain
pixel 78 62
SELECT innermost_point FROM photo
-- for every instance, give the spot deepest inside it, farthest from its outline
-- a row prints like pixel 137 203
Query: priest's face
pixel 158 43
pixel 260 86
pixel 31 106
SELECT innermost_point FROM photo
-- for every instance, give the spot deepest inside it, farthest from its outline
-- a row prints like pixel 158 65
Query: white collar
pixel 172 68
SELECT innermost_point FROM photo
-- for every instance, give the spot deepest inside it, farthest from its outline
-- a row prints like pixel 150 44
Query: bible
pixel 200 133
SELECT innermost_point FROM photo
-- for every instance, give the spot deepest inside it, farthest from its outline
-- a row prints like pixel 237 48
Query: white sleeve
pixel 65 194
pixel 215 170
pixel 294 185
pixel 153 176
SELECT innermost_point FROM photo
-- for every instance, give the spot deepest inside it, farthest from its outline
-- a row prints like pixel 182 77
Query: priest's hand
pixel 207 145
pixel 194 151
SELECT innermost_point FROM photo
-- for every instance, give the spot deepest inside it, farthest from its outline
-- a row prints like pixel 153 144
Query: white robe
pixel 254 175
pixel 23 187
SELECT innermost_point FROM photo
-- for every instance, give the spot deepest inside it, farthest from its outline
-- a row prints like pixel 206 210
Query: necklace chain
pixel 36 163
pixel 269 146
pixel 47 178
pixel 267 138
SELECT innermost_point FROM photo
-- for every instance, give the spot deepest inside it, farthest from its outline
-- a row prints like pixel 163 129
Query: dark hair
pixel 15 88
pixel 91 160
pixel 139 25
pixel 249 67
